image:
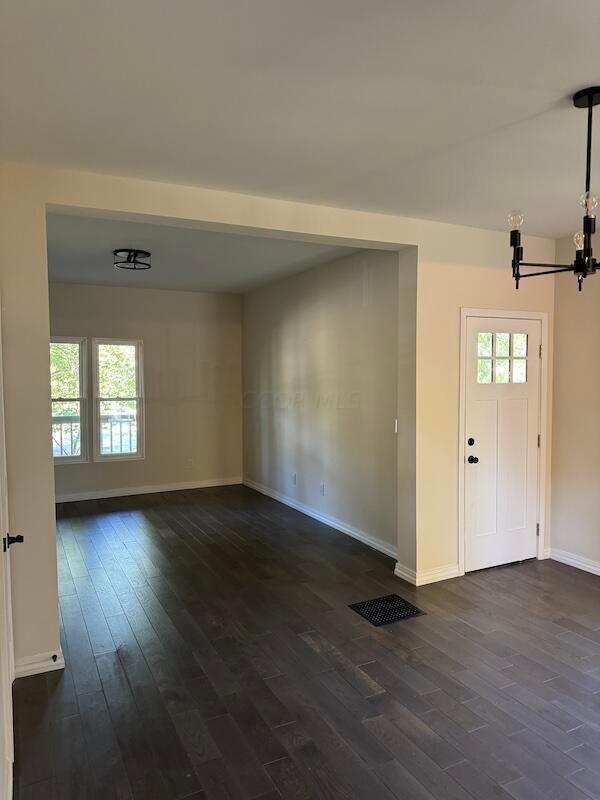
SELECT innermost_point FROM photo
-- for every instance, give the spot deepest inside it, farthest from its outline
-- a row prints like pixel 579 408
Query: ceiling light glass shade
pixel 589 201
pixel 579 240
pixel 515 220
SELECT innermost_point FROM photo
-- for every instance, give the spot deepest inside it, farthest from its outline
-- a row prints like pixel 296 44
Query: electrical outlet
pixel 322 490
pixel 294 478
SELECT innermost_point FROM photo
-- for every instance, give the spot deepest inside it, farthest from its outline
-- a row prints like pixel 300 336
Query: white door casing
pixel 501 416
pixel 6 638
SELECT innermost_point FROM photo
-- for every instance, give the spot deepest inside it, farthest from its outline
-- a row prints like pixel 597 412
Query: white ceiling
pixel 80 251
pixel 454 111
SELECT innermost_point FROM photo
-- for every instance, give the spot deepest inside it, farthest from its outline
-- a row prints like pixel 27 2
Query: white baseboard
pixel 586 564
pixel 42 662
pixel 333 522
pixel 407 574
pixel 132 490
pixel 422 577
pixel 436 574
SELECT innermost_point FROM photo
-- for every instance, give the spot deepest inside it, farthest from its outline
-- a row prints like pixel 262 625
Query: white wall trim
pixel 333 522
pixel 542 316
pixel 428 575
pixel 406 573
pixel 131 490
pixel 42 662
pixel 586 564
pixel 438 574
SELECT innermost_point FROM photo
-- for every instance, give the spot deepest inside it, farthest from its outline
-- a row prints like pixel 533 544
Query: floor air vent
pixel 384 610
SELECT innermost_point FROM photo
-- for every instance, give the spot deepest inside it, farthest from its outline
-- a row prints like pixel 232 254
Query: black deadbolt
pixel 470 441
pixel 473 460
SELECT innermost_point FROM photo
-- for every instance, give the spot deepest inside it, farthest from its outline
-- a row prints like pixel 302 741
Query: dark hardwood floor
pixel 211 654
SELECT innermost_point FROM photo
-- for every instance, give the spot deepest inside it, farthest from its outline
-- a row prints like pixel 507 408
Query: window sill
pixel 99 459
pixel 64 460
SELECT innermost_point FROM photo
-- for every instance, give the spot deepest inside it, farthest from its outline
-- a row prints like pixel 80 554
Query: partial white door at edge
pixel 501 440
pixel 6 648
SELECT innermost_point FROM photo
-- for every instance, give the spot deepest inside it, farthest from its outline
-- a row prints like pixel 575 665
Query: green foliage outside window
pixel 116 370
pixel 64 377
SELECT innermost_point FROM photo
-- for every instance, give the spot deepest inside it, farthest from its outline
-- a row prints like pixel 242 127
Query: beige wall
pixel 454 253
pixel 25 332
pixel 192 381
pixel 320 390
pixel 576 453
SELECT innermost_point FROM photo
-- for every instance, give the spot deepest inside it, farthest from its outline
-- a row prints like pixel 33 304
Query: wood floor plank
pixel 83 665
pixel 108 774
pixel 238 755
pixel 289 781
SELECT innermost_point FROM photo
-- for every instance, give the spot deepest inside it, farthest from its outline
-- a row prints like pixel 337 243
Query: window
pixel 502 357
pixel 68 394
pixel 118 399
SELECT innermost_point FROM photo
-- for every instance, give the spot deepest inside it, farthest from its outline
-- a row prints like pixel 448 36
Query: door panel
pixel 502 418
pixel 513 419
pixel 484 418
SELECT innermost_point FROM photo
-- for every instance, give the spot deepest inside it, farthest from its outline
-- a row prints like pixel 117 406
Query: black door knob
pixel 8 540
pixel 473 460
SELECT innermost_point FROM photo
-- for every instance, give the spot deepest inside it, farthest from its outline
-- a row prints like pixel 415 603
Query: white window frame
pixel 83 458
pixel 139 398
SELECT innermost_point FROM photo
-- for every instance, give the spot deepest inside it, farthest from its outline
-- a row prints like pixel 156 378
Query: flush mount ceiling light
pixel 128 258
pixel 584 264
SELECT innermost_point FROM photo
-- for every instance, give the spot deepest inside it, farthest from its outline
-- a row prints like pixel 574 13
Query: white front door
pixel 6 643
pixel 502 423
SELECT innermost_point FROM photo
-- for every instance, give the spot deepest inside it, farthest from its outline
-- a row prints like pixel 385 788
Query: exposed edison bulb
pixel 589 201
pixel 515 220
pixel 579 240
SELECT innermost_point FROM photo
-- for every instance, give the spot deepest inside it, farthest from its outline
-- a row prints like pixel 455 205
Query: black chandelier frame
pixel 131 258
pixel 584 264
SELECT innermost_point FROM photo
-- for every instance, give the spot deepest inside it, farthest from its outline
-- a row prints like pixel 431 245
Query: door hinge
pixel 540 351
pixel 537 529
pixel 539 440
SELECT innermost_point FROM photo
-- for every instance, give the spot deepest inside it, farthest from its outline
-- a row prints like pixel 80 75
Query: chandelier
pixel 584 264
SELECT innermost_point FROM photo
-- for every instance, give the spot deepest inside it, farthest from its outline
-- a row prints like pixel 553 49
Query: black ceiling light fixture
pixel 584 264
pixel 130 258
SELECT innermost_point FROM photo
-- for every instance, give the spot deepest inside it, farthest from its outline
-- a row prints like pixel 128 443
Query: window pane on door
pixel 66 429
pixel 519 345
pixel 519 370
pixel 502 345
pixel 484 370
pixel 118 427
pixel 502 370
pixel 484 344
pixel 64 369
pixel 117 370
